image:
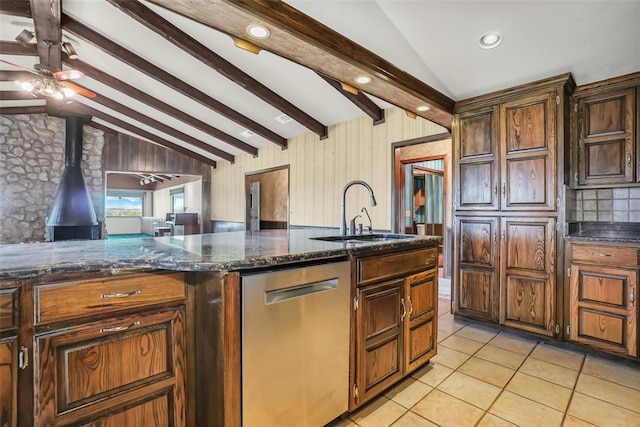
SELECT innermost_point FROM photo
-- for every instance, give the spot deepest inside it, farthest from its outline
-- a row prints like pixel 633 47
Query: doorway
pixel 421 196
pixel 267 199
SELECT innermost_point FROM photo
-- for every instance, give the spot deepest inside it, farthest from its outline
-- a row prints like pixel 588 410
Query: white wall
pixel 123 225
pixel 319 170
pixel 192 199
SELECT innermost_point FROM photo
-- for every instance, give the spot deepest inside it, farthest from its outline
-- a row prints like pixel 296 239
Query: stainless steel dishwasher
pixel 295 346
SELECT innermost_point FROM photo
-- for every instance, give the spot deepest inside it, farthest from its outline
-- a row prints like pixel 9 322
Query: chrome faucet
pixel 343 219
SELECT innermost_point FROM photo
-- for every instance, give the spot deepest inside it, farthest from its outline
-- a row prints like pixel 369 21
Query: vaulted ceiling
pixel 168 71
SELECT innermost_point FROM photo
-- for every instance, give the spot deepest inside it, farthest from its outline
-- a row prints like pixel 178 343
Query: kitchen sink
pixel 364 238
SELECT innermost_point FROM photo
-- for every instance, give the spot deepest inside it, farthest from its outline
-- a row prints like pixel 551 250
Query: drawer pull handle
pixel 601 254
pixel 119 328
pixel 404 309
pixel 410 306
pixel 23 357
pixel 633 297
pixel 122 294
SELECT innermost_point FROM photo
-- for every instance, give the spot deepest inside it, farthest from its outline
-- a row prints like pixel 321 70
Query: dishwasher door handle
pixel 280 295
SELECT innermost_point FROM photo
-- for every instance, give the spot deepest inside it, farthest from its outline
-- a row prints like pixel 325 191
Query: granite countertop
pixel 617 232
pixel 238 250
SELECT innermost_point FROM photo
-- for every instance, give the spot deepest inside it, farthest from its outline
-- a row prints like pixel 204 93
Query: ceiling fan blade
pixel 20 66
pixel 68 74
pixel 78 89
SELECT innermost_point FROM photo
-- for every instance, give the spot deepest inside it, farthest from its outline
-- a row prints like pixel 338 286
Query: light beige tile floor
pixel 482 377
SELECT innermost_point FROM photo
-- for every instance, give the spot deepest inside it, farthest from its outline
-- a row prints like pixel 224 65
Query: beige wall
pixel 192 199
pixel 319 170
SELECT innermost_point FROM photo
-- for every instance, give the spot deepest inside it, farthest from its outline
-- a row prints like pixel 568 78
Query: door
pixel 528 142
pixel 476 151
pixel 379 338
pixel 420 321
pixel 254 206
pixel 606 152
pixel 476 268
pixel 528 289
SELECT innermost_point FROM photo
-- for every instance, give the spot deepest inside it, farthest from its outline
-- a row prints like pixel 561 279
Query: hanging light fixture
pixel 25 37
pixel 71 51
pixel 47 87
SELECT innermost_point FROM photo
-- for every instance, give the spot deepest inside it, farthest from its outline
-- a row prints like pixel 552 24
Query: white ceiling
pixel 434 40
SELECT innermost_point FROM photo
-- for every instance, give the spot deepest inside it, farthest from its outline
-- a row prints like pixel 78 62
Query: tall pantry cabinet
pixel 508 167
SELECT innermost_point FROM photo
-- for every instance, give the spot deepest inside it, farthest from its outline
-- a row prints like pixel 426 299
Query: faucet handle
pixel 352 225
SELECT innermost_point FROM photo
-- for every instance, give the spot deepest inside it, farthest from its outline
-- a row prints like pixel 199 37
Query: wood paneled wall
pixel 319 170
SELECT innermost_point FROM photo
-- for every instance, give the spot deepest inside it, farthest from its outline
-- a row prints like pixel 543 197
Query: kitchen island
pixel 163 338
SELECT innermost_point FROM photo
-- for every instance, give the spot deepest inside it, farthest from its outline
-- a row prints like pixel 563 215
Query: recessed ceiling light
pixel 363 80
pixel 247 133
pixel 258 31
pixel 490 40
pixel 423 108
pixel 284 119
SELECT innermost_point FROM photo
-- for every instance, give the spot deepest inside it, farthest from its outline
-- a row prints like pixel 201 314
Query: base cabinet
pixel 395 317
pixel 603 287
pixel 8 382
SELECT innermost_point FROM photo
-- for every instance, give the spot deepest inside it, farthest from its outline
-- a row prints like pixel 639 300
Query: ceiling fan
pixel 50 82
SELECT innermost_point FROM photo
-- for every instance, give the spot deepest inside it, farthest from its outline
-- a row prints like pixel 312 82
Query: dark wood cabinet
pixel 528 143
pixel 528 291
pixel 505 250
pixel 395 318
pixel 476 152
pixel 11 356
pixel 476 255
pixel 603 286
pixel 605 133
pixel 380 338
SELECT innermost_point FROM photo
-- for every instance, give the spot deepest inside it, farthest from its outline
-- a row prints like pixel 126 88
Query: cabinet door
pixel 528 274
pixel 110 367
pixel 602 310
pixel 420 321
pixel 8 382
pixel 606 150
pixel 476 267
pixel 379 338
pixel 528 144
pixel 476 152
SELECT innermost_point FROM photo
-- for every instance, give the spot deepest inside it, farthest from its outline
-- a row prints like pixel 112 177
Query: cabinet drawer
pixel 96 367
pixel 70 300
pixel 610 255
pixel 386 266
pixel 8 309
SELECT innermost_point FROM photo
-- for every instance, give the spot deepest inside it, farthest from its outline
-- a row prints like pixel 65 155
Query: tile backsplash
pixel 607 204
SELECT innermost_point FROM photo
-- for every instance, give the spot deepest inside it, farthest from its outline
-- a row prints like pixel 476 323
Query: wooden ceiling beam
pixel 302 39
pixel 360 100
pixel 15 48
pixel 139 117
pixel 166 78
pixel 184 41
pixel 102 127
pixel 20 8
pixel 149 100
pixel 46 21
pixel 17 95
pixel 28 109
pixel 138 132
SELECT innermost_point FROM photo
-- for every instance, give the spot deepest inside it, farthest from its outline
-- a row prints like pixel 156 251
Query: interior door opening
pixel 267 199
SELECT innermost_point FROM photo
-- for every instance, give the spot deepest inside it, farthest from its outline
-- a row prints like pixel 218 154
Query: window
pixel 177 200
pixel 124 203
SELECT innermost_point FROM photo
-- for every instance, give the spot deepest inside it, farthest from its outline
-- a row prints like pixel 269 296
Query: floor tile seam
pixel 517 352
pixel 460 351
pixel 426 419
pixel 472 339
pixel 606 401
pixel 469 403
pixel 573 393
pixel 557 364
pixel 500 364
pixel 480 379
pixel 595 398
pixel 526 398
pixel 541 403
pixel 609 381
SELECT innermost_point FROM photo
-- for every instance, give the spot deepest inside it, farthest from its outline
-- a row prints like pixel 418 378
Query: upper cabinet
pixel 507 147
pixel 605 117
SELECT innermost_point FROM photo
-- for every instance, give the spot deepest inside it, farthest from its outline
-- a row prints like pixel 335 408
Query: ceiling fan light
pixel 67 92
pixel 25 37
pixel 26 85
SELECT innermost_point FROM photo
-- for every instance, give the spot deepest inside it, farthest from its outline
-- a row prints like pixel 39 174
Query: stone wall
pixel 31 165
